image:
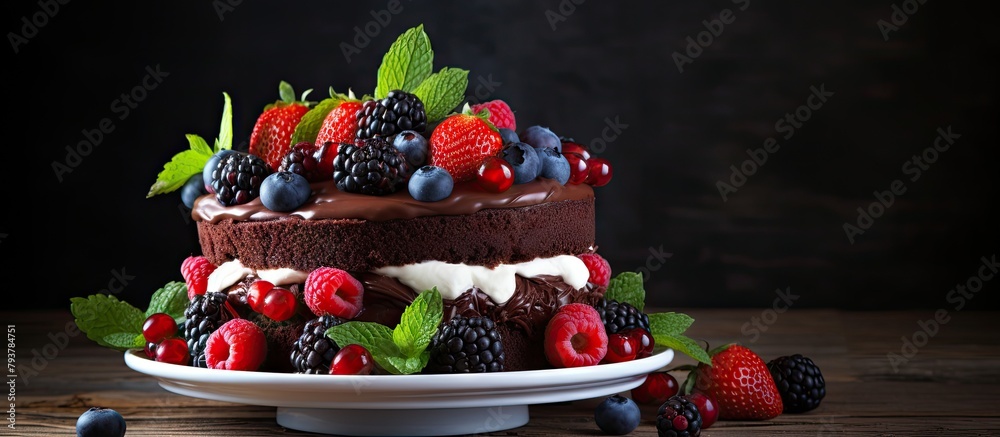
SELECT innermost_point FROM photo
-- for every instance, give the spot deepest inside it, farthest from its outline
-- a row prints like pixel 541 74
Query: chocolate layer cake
pixel 535 228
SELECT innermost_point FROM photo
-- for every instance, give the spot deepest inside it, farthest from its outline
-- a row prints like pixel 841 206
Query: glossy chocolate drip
pixel 328 202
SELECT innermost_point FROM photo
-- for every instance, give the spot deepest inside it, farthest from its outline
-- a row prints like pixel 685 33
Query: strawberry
pixel 740 383
pixel 460 143
pixel 340 124
pixel 271 138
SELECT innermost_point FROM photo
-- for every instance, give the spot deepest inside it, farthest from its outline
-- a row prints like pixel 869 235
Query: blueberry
pixel 554 165
pixel 430 184
pixel 617 415
pixel 525 161
pixel 541 137
pixel 284 191
pixel 191 190
pixel 509 136
pixel 413 146
pixel 213 162
pixel 100 422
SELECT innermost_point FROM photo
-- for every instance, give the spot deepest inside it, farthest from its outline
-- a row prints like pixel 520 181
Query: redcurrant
pixel 173 350
pixel 495 174
pixel 352 359
pixel 279 304
pixel 158 326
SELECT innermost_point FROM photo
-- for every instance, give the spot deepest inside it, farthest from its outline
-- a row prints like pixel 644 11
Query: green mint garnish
pixel 627 287
pixel 407 63
pixel 192 161
pixel 668 331
pixel 124 341
pixel 101 316
pixel 403 349
pixel 441 92
pixel 172 299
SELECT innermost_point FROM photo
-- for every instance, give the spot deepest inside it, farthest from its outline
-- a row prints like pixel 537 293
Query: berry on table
pixel 466 345
pixel 302 160
pixel 238 344
pixel 678 417
pixel 554 165
pixel 352 359
pixel 430 184
pixel 575 337
pixel 541 137
pixel 284 191
pixel 599 268
pixel 707 407
pixel 799 381
pixel 370 166
pixel 413 146
pixel 656 389
pixel 495 175
pixel 158 327
pixel 398 111
pixel 173 350
pixel 100 422
pixel 617 415
pixel 524 159
pixel 740 383
pixel 313 352
pixel 598 172
pixel 331 291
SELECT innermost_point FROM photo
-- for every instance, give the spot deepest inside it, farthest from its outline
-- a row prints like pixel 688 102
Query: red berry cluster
pixel 162 342
pixel 585 168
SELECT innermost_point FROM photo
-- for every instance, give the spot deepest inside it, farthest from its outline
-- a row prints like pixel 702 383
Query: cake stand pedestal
pixel 429 422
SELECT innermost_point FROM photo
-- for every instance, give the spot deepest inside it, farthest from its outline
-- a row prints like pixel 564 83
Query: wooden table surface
pixel 950 384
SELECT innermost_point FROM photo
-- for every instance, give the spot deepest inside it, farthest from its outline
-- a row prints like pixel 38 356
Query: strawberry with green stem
pixel 738 381
pixel 271 138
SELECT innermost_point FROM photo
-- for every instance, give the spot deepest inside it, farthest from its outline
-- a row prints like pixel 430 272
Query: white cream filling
pixel 451 280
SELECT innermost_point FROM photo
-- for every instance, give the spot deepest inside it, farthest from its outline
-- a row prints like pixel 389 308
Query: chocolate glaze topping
pixel 328 202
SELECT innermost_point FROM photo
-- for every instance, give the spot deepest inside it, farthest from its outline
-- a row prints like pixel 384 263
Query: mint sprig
pixel 117 324
pixel 192 161
pixel 407 63
pixel 441 92
pixel 668 331
pixel 401 350
pixel 627 287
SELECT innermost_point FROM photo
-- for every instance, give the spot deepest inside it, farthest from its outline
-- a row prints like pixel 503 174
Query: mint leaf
pixel 441 92
pixel 405 365
pixel 684 345
pixel 627 287
pixel 124 340
pixel 418 323
pixel 669 323
pixel 100 315
pixel 172 299
pixel 407 63
pixel 225 138
pixel 308 127
pixel 366 334
pixel 182 166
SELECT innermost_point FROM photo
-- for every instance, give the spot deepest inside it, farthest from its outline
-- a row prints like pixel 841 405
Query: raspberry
pixel 238 344
pixel 600 269
pixel 331 291
pixel 195 270
pixel 500 114
pixel 575 337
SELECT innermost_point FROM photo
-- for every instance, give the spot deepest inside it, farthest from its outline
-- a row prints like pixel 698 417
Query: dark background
pixel 606 60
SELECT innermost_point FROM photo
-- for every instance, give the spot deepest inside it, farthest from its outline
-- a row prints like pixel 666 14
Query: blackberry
pixel 371 166
pixel 619 316
pixel 799 381
pixel 237 178
pixel 678 417
pixel 313 351
pixel 204 315
pixel 397 112
pixel 466 345
pixel 301 160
